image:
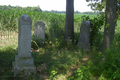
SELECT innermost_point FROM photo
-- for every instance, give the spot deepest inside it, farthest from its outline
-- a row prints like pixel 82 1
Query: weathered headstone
pixel 24 61
pixel 84 35
pixel 40 30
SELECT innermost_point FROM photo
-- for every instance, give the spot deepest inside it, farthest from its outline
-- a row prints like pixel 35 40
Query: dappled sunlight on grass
pixel 65 61
pixel 57 60
pixel 60 60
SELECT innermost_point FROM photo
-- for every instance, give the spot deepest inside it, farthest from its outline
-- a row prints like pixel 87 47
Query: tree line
pixel 9 7
pixel 75 12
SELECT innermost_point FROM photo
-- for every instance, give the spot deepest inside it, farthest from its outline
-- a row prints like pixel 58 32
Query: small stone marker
pixel 84 35
pixel 24 61
pixel 40 30
pixel 69 40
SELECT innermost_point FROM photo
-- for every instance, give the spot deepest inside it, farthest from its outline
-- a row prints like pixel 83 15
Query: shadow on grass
pixel 7 55
pixel 46 59
pixel 101 66
pixel 60 60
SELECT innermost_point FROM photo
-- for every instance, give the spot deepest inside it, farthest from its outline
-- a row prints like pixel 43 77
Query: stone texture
pixel 40 30
pixel 24 39
pixel 84 35
pixel 24 61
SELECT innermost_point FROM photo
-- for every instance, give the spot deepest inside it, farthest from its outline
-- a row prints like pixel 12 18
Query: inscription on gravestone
pixel 84 35
pixel 24 60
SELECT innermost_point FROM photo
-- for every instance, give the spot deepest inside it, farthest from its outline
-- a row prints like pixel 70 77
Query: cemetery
pixel 33 47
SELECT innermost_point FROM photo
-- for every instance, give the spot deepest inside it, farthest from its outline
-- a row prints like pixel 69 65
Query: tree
pixel 97 5
pixel 110 21
pixel 69 24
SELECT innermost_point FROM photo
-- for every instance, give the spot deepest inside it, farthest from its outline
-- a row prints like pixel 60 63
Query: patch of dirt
pixel 44 76
pixel 40 69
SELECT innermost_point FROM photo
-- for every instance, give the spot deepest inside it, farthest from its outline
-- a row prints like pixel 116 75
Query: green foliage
pixel 82 73
pixel 52 74
pixel 100 5
pixel 60 43
pixel 53 34
pixel 107 25
pixel 96 24
pixel 36 43
pixel 56 30
pixel 56 27
pixel 111 66
pixel 4 7
pixel 9 18
pixel 6 57
pixel 97 5
pixel 103 66
pixel 57 55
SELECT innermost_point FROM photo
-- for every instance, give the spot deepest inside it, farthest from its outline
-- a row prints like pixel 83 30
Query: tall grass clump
pixel 56 30
pixel 36 43
pixel 111 65
pixel 56 26
pixel 101 66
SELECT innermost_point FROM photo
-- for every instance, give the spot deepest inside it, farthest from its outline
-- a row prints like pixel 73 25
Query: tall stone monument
pixel 24 61
pixel 84 35
pixel 40 30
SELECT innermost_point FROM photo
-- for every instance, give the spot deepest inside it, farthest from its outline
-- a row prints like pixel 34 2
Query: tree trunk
pixel 69 24
pixel 110 21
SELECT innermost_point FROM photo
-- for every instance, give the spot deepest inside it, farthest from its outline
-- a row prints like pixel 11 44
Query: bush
pixel 102 66
pixel 36 42
pixel 111 64
pixel 82 73
pixel 55 27
pixel 95 34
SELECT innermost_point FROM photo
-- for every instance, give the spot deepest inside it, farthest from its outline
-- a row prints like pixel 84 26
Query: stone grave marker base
pixel 84 45
pixel 23 66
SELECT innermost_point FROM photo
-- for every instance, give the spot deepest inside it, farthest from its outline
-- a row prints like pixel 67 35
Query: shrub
pixel 111 65
pixel 55 27
pixel 36 42
pixel 96 23
pixel 82 73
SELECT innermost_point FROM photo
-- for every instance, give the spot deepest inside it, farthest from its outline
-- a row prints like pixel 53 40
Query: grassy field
pixel 79 15
pixel 61 61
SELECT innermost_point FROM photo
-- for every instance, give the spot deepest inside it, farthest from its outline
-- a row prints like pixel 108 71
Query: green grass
pixel 58 60
pixel 79 15
pixel 64 61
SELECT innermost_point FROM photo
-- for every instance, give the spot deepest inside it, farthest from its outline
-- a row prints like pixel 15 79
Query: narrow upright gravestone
pixel 40 30
pixel 84 35
pixel 24 61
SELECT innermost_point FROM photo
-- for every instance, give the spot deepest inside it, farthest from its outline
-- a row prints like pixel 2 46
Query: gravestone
pixel 24 61
pixel 84 35
pixel 40 30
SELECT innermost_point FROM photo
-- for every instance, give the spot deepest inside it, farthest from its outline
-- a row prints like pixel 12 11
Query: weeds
pixel 55 59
